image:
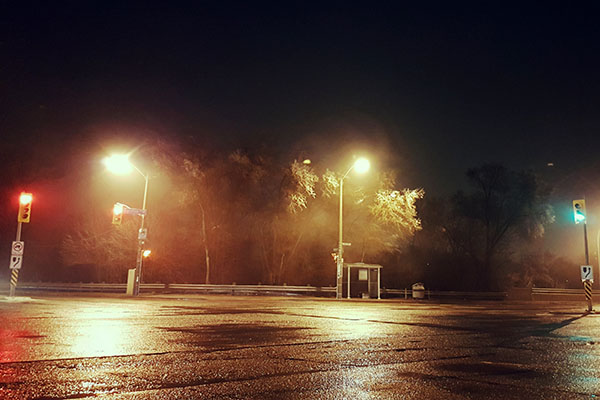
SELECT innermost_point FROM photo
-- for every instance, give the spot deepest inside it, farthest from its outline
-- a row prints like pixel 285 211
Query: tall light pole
pixel 598 254
pixel 361 165
pixel 120 164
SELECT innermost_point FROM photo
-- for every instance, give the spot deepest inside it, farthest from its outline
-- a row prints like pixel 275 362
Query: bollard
pixel 14 277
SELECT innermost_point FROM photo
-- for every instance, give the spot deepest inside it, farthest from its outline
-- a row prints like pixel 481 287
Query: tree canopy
pixel 248 217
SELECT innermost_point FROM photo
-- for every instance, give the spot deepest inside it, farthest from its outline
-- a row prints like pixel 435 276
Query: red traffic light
pixel 25 198
pixel 25 201
pixel 117 214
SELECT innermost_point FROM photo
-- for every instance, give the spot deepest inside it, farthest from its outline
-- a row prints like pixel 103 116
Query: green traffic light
pixel 579 211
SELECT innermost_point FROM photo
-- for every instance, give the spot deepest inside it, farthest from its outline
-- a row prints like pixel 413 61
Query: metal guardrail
pixel 176 287
pixel 246 290
pixel 556 291
pixel 539 294
pixel 555 294
pixel 407 293
pixel 73 287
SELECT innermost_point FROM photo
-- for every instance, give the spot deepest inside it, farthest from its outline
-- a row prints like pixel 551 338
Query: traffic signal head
pixel 25 207
pixel 579 211
pixel 117 214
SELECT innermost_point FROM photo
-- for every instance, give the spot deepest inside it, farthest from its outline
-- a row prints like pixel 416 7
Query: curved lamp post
pixel 361 166
pixel 119 164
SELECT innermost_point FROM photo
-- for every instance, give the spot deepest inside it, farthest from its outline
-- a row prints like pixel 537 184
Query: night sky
pixel 444 86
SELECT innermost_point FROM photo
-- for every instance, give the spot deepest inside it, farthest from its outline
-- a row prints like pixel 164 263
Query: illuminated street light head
pixel 362 165
pixel 118 164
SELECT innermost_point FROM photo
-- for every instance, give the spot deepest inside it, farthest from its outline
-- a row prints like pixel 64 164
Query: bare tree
pixel 94 241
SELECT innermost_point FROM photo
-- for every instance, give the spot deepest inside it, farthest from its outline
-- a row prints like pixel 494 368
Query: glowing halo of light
pixel 362 165
pixel 118 164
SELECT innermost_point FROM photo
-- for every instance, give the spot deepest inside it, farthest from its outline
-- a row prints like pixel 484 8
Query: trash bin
pixel 418 291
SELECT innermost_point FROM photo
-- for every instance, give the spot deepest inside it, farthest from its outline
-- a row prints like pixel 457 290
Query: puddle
pixel 235 335
pixel 488 368
pixel 186 310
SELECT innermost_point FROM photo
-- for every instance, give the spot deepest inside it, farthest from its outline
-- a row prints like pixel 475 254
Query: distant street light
pixel 361 166
pixel 119 164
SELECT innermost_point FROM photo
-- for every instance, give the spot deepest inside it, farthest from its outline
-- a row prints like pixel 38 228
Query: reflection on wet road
pixel 171 347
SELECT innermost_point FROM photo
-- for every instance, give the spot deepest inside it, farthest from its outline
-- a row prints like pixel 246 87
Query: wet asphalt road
pixel 205 347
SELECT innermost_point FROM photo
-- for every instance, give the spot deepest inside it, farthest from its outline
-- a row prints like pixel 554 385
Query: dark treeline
pixel 247 216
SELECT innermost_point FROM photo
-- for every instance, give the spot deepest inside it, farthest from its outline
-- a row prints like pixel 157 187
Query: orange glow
pixel 26 198
pixel 100 332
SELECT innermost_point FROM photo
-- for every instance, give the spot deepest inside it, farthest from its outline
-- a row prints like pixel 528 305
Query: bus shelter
pixel 363 280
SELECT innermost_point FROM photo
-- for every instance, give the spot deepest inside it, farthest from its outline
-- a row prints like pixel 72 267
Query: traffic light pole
pixel 587 284
pixel 14 273
pixel 585 240
pixel 16 256
pixel 141 239
pixel 19 225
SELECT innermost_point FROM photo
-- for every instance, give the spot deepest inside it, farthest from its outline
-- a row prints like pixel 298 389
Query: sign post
pixel 16 260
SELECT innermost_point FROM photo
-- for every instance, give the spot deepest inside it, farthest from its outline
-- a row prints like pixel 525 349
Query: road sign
pixel 587 273
pixel 17 248
pixel 16 262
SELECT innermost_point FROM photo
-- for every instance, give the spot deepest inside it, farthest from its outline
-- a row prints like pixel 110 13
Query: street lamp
pixel 598 254
pixel 361 166
pixel 119 164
